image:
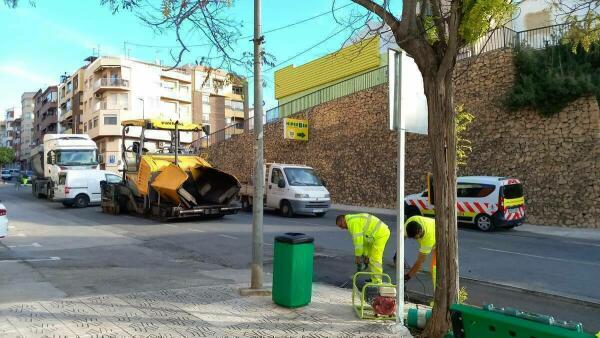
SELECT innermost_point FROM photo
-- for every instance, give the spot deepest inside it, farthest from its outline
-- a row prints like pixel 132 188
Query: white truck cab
pixel 291 189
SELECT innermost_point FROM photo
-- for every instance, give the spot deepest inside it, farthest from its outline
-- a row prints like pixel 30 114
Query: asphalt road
pixel 53 252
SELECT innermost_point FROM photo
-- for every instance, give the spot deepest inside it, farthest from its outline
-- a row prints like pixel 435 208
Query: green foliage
pixel 430 30
pixel 583 32
pixel 549 79
pixel 7 156
pixel 463 295
pixel 463 146
pixel 479 16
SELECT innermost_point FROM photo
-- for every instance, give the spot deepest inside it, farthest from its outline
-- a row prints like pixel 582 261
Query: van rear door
pixel 513 199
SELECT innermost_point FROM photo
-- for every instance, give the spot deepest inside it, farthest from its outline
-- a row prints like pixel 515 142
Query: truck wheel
pixel 67 204
pixel 286 209
pixel 81 201
pixel 484 222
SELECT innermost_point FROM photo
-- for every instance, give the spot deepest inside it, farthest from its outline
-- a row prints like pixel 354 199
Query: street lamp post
pixel 256 282
pixel 143 108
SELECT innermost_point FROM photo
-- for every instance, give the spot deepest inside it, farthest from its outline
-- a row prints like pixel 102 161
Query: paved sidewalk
pixel 208 311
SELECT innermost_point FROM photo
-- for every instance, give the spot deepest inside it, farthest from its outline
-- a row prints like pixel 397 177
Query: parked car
pixel 489 202
pixel 6 174
pixel 80 188
pixel 3 221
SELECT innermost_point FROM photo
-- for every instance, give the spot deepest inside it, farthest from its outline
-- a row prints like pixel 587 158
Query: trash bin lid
pixel 294 238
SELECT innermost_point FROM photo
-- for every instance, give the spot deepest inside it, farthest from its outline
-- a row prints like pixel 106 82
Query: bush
pixel 549 79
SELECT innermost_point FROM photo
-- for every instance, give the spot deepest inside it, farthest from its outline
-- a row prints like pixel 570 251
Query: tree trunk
pixel 442 141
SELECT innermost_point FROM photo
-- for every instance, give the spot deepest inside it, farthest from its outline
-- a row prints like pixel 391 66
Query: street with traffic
pixel 56 253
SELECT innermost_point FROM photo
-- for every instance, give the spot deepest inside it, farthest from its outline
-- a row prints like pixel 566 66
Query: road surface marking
pixel 12 227
pixel 35 245
pixel 227 236
pixel 184 228
pixel 543 257
pixel 582 243
pixel 31 260
pixel 268 244
pixel 19 235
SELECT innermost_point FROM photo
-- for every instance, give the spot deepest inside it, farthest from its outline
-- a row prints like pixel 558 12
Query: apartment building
pixel 45 113
pixel 117 89
pixel 27 132
pixel 13 125
pixel 70 104
pixel 218 99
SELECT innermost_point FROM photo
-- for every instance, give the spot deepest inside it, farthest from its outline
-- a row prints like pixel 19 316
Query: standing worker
pixel 421 229
pixel 369 236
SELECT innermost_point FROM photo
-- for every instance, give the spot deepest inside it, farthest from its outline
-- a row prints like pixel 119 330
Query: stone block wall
pixel 351 147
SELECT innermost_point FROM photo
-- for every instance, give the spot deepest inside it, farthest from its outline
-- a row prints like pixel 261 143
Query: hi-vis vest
pixel 364 228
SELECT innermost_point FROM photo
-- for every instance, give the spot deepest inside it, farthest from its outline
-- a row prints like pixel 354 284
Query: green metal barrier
pixel 491 322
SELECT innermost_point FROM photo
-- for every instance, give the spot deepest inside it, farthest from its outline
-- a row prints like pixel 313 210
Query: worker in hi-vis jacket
pixel 369 236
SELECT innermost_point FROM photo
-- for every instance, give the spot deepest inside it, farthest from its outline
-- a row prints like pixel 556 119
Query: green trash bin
pixel 293 269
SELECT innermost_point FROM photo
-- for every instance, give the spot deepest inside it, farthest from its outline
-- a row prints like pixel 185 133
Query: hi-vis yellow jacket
pixel 365 228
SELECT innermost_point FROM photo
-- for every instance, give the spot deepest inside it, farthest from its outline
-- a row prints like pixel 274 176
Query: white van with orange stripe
pixel 486 201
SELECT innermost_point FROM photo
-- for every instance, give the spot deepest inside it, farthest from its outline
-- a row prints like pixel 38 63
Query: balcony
pixel 177 74
pixel 104 105
pixel 65 115
pixel 104 84
pixel 173 94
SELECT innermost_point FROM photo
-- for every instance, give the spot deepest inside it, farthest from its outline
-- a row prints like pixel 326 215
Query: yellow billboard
pixel 295 129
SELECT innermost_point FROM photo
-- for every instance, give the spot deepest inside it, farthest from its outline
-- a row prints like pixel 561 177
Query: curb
pixel 566 297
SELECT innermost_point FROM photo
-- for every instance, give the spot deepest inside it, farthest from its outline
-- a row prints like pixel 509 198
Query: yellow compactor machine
pixel 170 182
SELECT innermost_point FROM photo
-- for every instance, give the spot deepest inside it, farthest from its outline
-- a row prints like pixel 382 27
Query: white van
pixel 292 189
pixel 81 188
pixel 487 201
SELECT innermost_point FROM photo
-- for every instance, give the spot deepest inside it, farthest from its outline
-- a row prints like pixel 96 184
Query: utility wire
pixel 248 36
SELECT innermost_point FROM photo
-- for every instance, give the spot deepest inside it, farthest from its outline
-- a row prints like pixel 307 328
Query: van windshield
pixel 76 157
pixel 513 191
pixel 302 176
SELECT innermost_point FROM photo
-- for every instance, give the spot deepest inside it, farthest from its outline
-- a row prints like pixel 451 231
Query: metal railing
pixel 111 82
pixel 496 39
pixel 343 88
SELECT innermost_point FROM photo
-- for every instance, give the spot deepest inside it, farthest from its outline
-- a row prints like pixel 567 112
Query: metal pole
pixel 246 107
pixel 177 143
pixel 259 174
pixel 400 192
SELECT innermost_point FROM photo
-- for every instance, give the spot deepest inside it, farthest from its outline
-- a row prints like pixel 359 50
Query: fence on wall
pixel 500 38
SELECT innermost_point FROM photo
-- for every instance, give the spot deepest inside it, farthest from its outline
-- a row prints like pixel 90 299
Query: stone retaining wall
pixel 350 146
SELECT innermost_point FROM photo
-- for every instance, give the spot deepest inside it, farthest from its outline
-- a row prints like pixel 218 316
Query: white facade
pixel 27 104
pixel 118 89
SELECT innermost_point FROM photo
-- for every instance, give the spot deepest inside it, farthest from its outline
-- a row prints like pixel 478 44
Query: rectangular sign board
pixel 407 101
pixel 295 129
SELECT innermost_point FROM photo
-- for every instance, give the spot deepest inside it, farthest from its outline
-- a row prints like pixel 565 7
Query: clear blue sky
pixel 40 43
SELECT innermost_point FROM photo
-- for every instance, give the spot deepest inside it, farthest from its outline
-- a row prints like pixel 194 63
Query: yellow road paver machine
pixel 170 182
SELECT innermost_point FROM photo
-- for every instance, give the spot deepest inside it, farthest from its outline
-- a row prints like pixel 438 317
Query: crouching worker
pixel 369 237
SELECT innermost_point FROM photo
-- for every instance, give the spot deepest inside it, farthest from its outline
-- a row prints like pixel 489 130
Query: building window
pixel 237 90
pixel 69 87
pixel 205 118
pixel 110 120
pixel 89 123
pixel 184 90
pixel 169 85
pixel 95 122
pixel 205 99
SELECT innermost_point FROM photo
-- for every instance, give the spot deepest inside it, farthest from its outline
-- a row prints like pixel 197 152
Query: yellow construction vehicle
pixel 170 182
